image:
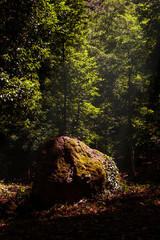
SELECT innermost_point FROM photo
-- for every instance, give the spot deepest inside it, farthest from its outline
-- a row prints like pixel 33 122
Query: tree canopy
pixel 86 69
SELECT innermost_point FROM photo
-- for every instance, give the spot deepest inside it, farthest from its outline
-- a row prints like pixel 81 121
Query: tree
pixel 118 41
pixel 81 75
pixel 72 76
pixel 26 28
pixel 23 47
pixel 149 16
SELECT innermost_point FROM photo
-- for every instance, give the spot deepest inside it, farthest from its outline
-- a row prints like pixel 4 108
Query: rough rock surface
pixel 69 170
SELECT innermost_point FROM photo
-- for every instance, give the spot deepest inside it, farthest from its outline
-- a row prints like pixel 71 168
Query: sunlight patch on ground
pixel 157 202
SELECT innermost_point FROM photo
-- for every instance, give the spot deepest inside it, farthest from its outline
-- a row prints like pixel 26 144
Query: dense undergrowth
pixel 132 213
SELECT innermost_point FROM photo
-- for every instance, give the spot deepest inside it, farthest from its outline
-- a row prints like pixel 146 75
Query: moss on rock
pixel 69 170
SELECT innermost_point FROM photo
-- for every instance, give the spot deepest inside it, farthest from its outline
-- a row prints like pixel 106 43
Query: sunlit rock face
pixel 69 170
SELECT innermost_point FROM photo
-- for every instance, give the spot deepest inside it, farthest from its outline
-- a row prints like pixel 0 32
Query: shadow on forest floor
pixel 133 214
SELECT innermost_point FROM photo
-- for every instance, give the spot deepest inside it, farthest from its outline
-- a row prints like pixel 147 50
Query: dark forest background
pixel 85 69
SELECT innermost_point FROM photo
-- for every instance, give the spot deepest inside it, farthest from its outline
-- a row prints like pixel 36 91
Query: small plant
pixel 22 194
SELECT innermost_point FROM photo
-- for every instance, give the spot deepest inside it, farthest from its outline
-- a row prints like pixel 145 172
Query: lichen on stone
pixel 70 170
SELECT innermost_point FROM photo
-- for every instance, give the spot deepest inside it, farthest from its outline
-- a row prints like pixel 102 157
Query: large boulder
pixel 69 170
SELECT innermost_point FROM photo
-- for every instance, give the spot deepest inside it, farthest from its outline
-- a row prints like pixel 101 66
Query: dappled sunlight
pixel 129 212
pixel 126 214
pixel 157 203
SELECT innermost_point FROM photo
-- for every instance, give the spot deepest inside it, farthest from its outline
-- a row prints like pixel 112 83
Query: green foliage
pixel 118 42
pixel 22 49
pixel 88 69
pixel 80 89
pixel 19 98
pixel 11 190
pixel 26 30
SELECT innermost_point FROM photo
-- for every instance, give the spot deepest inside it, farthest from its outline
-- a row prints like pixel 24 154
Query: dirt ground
pixel 132 214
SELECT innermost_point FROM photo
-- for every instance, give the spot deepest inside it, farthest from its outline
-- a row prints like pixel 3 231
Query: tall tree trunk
pixel 130 130
pixel 132 158
pixel 64 124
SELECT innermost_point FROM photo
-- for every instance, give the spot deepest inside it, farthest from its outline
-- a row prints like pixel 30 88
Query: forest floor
pixel 132 214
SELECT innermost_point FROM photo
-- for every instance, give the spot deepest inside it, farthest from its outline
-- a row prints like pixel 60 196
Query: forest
pixel 88 69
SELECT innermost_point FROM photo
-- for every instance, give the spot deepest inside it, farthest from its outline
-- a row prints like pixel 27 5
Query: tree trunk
pixel 64 123
pixel 130 130
pixel 132 159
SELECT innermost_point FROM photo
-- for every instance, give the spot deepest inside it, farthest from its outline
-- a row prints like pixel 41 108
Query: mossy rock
pixel 69 170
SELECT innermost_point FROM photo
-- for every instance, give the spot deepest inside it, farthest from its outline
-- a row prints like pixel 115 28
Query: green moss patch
pixel 70 170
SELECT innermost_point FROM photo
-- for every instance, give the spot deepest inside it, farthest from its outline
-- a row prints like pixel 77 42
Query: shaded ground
pixel 133 213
